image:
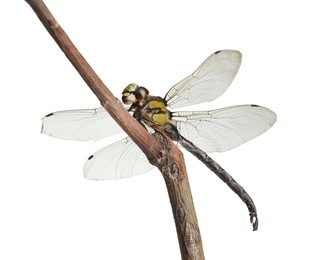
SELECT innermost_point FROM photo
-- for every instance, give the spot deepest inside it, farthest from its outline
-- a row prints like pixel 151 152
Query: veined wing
pixel 80 125
pixel 223 129
pixel 116 161
pixel 208 82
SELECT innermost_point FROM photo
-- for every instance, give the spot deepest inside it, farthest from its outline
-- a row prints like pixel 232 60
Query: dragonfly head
pixel 133 93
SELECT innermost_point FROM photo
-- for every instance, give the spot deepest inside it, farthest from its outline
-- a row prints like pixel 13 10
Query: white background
pixel 49 211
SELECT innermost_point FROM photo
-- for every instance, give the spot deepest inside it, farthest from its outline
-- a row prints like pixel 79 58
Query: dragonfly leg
pixel 218 170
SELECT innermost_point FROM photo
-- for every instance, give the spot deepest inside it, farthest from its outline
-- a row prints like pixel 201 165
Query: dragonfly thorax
pixel 148 109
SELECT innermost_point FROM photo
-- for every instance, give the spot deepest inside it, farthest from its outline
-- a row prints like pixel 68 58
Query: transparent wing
pixel 208 82
pixel 223 129
pixel 119 160
pixel 80 125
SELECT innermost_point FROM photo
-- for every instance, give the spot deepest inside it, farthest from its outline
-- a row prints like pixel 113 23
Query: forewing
pixel 208 82
pixel 223 129
pixel 80 125
pixel 119 160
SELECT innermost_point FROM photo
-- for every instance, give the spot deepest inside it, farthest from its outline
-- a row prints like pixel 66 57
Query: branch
pixel 159 149
pixel 106 98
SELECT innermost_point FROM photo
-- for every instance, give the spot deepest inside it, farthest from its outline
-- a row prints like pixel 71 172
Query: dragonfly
pixel 199 132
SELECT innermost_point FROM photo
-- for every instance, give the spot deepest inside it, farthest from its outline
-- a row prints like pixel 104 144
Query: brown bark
pixel 159 150
pixel 172 167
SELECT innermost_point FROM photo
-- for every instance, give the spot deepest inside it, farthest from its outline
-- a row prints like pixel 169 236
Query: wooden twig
pixel 159 149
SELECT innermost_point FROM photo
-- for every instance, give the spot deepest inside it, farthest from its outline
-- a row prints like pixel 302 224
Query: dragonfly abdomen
pixel 217 169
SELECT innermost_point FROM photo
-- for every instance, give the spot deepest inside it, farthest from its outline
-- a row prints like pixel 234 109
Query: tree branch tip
pixel 34 2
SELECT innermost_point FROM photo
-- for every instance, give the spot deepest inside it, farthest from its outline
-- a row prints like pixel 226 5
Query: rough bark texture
pixel 159 150
pixel 173 169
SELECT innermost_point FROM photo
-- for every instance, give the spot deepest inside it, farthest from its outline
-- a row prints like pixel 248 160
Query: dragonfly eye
pixel 131 88
pixel 128 95
pixel 128 99
pixel 141 93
